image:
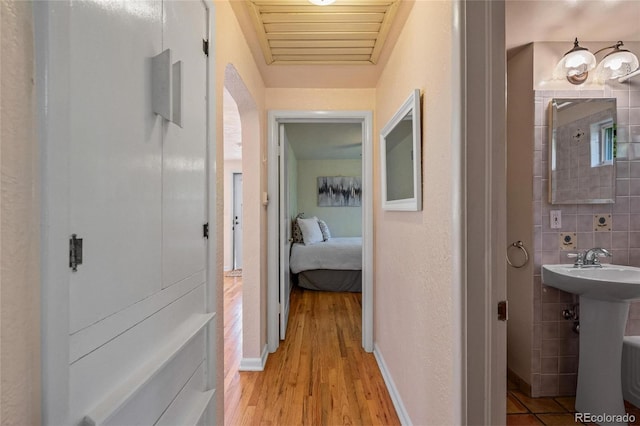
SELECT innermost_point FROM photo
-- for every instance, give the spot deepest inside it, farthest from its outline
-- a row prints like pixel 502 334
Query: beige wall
pixel 19 229
pixel 236 66
pixel 320 99
pixel 413 313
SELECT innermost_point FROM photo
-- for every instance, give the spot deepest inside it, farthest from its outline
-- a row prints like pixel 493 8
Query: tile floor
pixel 523 410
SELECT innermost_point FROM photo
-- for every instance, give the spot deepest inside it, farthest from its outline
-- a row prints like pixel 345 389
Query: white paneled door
pixel 126 330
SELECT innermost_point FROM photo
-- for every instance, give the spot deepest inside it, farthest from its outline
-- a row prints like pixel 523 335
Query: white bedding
pixel 337 253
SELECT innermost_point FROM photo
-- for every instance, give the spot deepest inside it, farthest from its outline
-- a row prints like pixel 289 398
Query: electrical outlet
pixel 568 241
pixel 555 218
pixel 601 222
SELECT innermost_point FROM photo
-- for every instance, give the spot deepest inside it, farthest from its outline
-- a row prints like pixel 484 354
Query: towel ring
pixel 519 245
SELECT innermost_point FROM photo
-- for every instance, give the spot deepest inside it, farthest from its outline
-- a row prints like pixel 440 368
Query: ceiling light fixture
pixel 322 2
pixel 576 64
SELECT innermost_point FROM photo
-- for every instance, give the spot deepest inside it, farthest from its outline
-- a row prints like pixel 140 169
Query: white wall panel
pixel 149 404
pixel 102 372
pixel 183 172
pixel 124 342
pixel 189 406
pixel 96 335
pixel 115 156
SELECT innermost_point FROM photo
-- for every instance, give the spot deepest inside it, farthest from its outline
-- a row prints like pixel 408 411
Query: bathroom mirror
pixel 400 157
pixel 582 153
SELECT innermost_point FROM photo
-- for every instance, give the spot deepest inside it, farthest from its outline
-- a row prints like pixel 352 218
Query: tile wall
pixel 555 345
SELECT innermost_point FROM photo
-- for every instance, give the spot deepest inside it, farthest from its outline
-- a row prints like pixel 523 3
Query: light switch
pixel 555 216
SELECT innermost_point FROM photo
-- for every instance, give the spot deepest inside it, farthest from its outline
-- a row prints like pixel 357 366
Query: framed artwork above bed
pixel 339 191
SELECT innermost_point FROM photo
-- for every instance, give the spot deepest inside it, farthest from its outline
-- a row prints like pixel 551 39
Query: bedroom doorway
pixel 279 214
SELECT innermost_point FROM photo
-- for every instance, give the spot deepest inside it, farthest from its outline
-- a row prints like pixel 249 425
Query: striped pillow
pixel 326 234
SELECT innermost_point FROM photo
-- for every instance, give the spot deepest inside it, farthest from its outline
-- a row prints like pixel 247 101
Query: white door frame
pixel 483 160
pixel 284 231
pixel 275 118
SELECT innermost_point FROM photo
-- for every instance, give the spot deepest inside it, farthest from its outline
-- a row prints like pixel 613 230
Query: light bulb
pixel 322 2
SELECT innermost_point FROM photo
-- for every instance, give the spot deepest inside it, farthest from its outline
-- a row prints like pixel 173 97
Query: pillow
pixel 295 230
pixel 311 232
pixel 326 234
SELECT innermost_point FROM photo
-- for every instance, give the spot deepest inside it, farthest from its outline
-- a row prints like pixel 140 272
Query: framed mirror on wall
pixel 582 154
pixel 401 158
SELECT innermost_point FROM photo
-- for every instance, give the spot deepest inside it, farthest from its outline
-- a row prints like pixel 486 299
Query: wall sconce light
pixel 617 63
pixel 576 64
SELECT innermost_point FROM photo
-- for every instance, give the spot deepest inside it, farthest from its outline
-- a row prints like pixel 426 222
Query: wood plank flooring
pixel 320 375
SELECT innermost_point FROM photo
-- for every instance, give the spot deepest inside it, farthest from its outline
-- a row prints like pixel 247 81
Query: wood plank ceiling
pixel 299 32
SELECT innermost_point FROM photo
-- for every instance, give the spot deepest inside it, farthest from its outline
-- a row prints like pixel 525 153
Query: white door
pixel 125 330
pixel 486 349
pixel 285 233
pixel 184 148
pixel 236 226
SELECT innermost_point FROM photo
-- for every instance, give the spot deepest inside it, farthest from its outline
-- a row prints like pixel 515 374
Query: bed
pixel 331 265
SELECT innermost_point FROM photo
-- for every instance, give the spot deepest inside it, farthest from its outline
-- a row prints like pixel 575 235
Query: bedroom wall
pixel 308 99
pixel 235 62
pixel 342 221
pixel 414 272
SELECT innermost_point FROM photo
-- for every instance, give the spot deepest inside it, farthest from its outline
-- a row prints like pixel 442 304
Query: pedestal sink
pixel 605 294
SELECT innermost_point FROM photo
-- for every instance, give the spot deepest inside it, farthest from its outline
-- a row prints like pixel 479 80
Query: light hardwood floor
pixel 320 375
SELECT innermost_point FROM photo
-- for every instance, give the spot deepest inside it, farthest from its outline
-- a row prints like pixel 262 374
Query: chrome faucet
pixel 590 258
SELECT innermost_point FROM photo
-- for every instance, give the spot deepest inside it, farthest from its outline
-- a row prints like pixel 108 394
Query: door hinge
pixel 75 252
pixel 205 46
pixel 205 230
pixel 503 310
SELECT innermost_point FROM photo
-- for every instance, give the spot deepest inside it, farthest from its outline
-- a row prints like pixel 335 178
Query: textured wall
pixel 236 68
pixel 19 225
pixel 413 264
pixel 320 99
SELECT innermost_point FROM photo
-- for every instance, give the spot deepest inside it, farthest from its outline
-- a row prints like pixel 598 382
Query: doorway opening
pixel 232 165
pixel 236 221
pixel 279 220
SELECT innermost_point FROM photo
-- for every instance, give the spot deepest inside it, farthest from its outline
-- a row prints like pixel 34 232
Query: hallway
pixel 319 375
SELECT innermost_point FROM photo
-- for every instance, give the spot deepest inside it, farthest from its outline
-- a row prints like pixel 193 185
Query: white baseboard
pixel 391 387
pixel 255 364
